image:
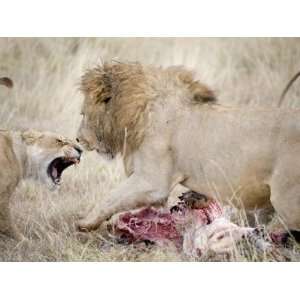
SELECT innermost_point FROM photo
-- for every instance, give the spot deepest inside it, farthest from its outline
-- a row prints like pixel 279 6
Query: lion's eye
pixel 59 141
pixel 106 100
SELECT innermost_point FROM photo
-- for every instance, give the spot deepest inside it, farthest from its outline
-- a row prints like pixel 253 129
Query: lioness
pixel 170 128
pixel 39 155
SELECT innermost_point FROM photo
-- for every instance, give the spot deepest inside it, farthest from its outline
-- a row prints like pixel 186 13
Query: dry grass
pixel 46 72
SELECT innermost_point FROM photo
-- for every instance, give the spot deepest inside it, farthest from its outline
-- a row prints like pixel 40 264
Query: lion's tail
pixel 290 83
pixel 7 82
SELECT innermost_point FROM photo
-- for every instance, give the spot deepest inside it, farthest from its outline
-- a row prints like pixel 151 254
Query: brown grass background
pixel 46 72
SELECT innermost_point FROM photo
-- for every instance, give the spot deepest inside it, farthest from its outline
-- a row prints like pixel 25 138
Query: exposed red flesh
pixel 147 224
pixel 160 225
pixel 194 227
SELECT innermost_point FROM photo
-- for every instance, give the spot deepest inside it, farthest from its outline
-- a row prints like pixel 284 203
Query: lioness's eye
pixel 59 141
pixel 106 100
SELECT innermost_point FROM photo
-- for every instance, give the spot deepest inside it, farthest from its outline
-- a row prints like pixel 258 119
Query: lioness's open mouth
pixel 58 165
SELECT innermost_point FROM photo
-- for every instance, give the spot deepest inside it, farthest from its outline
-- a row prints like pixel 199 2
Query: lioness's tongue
pixel 54 172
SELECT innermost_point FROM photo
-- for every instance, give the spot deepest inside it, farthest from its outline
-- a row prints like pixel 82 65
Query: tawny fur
pixel 175 132
pixel 130 90
pixel 23 155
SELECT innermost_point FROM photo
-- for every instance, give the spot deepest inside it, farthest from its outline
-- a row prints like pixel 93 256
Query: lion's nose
pixel 78 148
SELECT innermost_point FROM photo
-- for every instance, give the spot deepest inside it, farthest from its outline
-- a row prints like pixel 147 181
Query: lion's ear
pixel 7 82
pixel 202 93
pixel 31 136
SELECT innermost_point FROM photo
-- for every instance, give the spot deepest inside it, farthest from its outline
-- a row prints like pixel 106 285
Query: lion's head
pixel 48 155
pixel 116 102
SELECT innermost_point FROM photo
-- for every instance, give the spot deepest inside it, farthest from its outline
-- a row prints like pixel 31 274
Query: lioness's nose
pixel 78 149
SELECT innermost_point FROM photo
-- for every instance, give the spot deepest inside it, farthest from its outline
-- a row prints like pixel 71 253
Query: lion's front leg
pixel 132 193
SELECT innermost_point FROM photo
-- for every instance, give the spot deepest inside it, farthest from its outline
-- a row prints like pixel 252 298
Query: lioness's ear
pixel 7 82
pixel 96 84
pixel 31 136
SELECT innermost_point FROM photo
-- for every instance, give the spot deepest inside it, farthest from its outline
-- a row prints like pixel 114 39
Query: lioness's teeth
pixel 54 172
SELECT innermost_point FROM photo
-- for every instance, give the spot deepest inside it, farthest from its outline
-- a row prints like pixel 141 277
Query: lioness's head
pixel 48 155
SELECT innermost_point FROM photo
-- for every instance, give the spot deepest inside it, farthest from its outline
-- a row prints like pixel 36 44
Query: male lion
pixel 39 155
pixel 170 129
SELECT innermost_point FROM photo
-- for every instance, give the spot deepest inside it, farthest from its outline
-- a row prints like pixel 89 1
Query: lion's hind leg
pixel 285 197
